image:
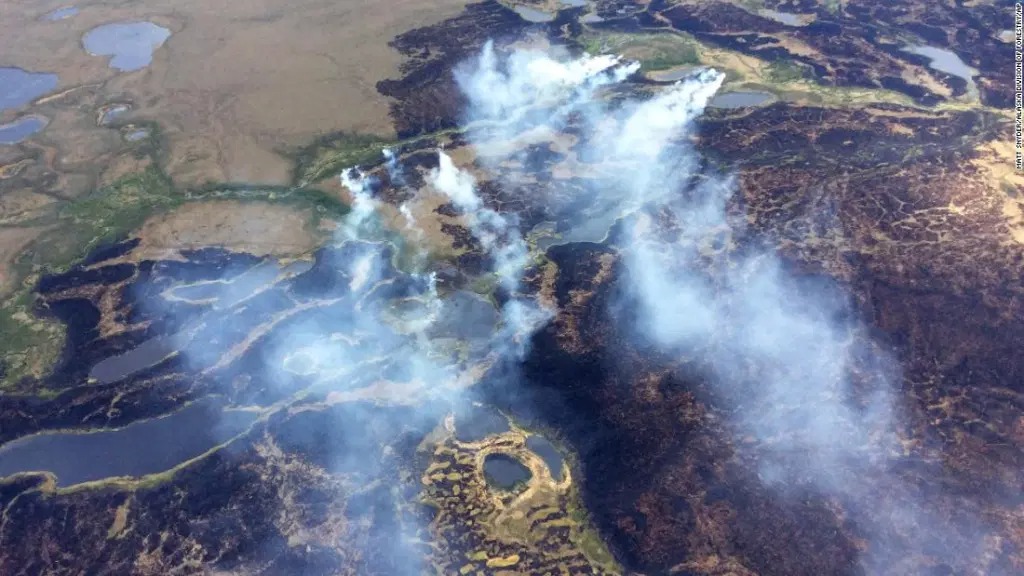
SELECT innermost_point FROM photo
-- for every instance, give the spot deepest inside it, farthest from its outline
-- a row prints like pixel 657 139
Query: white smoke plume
pixel 363 203
pixel 785 356
pixel 500 237
pixel 530 88
pixel 395 173
pixel 789 359
pixel 505 89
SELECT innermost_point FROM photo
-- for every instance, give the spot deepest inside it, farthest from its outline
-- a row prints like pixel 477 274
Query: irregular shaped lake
pixel 947 61
pixel 136 134
pixel 534 15
pixel 130 44
pixel 787 18
pixel 143 356
pixel 138 449
pixel 111 112
pixel 504 471
pixel 671 75
pixel 740 99
pixel 21 87
pixel 542 447
pixel 21 128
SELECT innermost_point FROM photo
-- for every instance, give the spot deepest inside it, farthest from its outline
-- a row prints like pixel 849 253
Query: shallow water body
pixel 740 99
pixel 534 15
pixel 542 447
pixel 130 44
pixel 20 129
pixel 946 61
pixel 21 86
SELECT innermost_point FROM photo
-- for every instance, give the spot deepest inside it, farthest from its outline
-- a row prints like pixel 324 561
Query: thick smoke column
pixel 507 90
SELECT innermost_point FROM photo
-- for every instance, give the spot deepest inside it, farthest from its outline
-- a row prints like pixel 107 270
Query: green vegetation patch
pixel 332 154
pixel 782 71
pixel 102 217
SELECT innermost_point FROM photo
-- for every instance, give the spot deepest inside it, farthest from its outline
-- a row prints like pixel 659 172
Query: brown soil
pixel 253 227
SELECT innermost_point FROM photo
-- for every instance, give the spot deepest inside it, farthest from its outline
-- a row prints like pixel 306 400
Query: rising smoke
pixel 786 355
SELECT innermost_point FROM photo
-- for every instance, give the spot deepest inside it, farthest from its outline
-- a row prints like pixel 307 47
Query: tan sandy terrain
pixel 257 228
pixel 236 81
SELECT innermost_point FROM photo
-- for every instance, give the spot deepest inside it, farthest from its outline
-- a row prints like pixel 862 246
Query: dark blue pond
pixel 540 446
pixel 504 471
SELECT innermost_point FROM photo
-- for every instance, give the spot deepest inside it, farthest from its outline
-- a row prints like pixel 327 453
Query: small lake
pixel 138 449
pixel 534 15
pixel 136 134
pixel 1007 36
pixel 21 128
pixel 670 75
pixel 787 18
pixel 504 471
pixel 109 113
pixel 61 13
pixel 149 353
pixel 130 44
pixel 542 447
pixel 740 99
pixel 947 61
pixel 573 3
pixel 21 87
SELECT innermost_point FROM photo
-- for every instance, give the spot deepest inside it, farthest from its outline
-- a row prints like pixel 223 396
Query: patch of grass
pixel 586 537
pixel 332 154
pixel 323 205
pixel 833 6
pixel 782 71
pixel 684 56
pixel 30 345
pixel 103 216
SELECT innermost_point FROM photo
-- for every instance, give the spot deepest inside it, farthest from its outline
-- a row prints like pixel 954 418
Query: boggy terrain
pixel 913 210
